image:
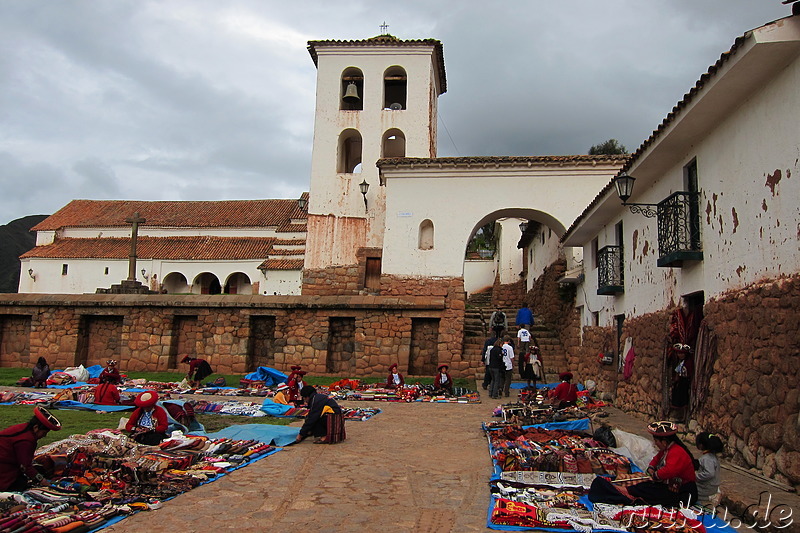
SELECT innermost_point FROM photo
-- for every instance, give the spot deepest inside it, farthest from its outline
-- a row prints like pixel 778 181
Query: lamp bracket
pixel 642 209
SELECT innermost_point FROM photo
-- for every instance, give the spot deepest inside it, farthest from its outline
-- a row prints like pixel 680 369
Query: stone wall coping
pixel 222 301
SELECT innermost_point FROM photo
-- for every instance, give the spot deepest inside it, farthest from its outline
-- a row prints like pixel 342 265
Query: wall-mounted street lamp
pixel 624 186
pixel 30 273
pixel 364 187
pixel 302 203
pixel 523 226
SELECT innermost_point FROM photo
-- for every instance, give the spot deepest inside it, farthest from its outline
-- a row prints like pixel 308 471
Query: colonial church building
pixel 371 267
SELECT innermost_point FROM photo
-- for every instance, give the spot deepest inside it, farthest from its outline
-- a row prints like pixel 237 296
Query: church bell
pixel 351 93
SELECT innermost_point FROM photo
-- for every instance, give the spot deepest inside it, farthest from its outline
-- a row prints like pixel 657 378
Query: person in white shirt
pixel 508 360
pixel 523 340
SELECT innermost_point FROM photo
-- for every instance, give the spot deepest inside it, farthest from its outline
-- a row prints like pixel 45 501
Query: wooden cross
pixel 135 220
pixel 384 27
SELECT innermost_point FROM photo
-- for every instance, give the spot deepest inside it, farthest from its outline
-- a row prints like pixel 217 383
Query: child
pixel 707 467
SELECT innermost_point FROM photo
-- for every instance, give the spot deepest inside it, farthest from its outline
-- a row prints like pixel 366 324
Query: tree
pixel 609 147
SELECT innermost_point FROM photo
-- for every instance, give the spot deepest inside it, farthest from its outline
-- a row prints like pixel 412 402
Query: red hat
pixel 443 366
pixel 301 372
pixel 663 428
pixel 393 366
pixel 186 359
pixel 565 376
pixel 295 368
pixel 111 362
pixel 147 398
pixel 46 419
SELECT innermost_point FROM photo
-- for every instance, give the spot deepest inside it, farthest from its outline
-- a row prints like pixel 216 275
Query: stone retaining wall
pixel 218 328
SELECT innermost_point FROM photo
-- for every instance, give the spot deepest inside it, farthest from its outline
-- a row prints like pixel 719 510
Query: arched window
pixel 394 88
pixel 426 235
pixel 238 283
pixel 351 96
pixel 394 144
pixel 349 152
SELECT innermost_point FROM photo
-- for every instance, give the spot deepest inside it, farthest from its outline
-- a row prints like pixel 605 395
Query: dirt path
pixel 421 467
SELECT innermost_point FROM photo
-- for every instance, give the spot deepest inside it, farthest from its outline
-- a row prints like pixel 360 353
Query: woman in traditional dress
pixel 148 423
pixel 443 381
pixel 395 379
pixel 324 420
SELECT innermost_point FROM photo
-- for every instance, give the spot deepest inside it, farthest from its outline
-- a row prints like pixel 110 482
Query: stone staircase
pixel 476 330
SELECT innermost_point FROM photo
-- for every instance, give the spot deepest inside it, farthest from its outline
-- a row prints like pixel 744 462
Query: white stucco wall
pixel 748 174
pixel 337 194
pixel 87 275
pixel 509 257
pixel 458 200
pixel 479 274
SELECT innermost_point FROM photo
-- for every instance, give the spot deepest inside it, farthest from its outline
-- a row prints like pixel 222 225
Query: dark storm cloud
pixel 199 99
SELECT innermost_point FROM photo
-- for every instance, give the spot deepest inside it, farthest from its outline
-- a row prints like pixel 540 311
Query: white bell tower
pixel 376 98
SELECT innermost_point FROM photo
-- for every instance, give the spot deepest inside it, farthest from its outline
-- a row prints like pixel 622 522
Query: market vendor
pixel 566 393
pixel 443 381
pixel 40 373
pixel 199 369
pixel 296 383
pixel 111 373
pixel 281 394
pixel 106 393
pixel 324 420
pixel 395 379
pixel 148 423
pixel 671 471
pixel 17 446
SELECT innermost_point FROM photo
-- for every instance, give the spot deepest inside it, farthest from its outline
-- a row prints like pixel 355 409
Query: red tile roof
pixel 176 248
pixel 177 214
pixel 500 160
pixel 281 264
pixel 388 41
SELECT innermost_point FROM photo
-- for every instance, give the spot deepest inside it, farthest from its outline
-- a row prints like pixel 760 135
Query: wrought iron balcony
pixel 679 229
pixel 610 274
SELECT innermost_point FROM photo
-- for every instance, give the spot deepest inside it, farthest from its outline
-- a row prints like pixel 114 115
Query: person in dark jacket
pixel 40 373
pixel 199 369
pixel 111 373
pixel 17 446
pixel 496 368
pixel 324 420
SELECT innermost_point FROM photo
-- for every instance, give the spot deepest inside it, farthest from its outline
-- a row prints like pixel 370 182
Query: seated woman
pixel 324 420
pixel 40 373
pixel 672 472
pixel 148 423
pixel 111 373
pixel 443 382
pixel 106 393
pixel 566 393
pixel 281 394
pixel 395 379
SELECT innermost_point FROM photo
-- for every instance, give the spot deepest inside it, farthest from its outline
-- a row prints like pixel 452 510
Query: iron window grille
pixel 679 229
pixel 610 274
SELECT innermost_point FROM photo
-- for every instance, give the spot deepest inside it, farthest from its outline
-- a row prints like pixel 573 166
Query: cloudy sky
pixel 210 100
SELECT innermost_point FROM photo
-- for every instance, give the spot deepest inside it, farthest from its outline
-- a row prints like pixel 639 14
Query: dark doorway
pixel 424 353
pixel 15 335
pixel 99 339
pixel 184 340
pixel 262 335
pixel 372 278
pixel 341 346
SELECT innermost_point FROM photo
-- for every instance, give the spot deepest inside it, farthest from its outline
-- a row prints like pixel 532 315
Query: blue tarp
pixel 271 434
pixel 269 376
pixel 71 404
pixel 274 409
pixel 542 386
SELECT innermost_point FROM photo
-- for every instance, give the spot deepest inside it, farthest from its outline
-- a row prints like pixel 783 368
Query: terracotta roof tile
pixel 177 214
pixel 291 228
pixel 281 264
pixel 388 41
pixel 499 160
pixel 186 248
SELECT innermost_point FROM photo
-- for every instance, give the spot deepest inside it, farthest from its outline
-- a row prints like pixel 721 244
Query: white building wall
pixel 337 194
pixel 87 275
pixel 459 200
pixel 750 223
pixel 479 274
pixel 509 257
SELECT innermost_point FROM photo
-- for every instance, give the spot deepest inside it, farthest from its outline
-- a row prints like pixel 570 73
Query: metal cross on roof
pixel 384 28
